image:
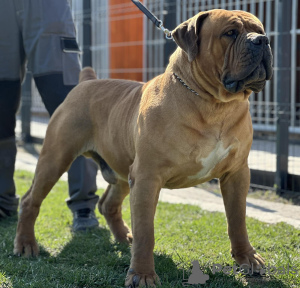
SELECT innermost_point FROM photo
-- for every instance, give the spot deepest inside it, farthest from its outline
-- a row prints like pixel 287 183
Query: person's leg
pixel 82 173
pixel 12 67
pixel 55 68
pixel 9 102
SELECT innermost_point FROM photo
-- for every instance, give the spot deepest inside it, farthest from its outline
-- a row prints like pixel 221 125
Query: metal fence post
pixel 170 23
pixel 26 109
pixel 283 55
pixel 87 32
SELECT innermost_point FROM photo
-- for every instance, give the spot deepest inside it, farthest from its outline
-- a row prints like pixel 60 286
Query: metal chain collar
pixel 185 85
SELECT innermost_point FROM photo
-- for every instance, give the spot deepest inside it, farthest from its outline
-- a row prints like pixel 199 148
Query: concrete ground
pixel 265 211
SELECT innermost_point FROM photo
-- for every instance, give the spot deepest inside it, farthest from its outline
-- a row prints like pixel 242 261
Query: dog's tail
pixel 87 73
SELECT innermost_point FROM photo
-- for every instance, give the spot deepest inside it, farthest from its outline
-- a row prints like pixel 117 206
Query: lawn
pixel 183 234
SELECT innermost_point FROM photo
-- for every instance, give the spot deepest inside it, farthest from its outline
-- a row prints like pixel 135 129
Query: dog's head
pixel 229 49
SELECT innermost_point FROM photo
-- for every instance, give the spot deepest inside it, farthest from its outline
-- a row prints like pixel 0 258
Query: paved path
pixel 265 211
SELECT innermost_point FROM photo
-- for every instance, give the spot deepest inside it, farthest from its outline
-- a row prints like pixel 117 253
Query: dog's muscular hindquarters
pixel 160 134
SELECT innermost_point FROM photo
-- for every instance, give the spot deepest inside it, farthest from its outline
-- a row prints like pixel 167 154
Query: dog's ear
pixel 187 35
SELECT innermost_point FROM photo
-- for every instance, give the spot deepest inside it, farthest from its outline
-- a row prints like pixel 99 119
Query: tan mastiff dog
pixel 184 127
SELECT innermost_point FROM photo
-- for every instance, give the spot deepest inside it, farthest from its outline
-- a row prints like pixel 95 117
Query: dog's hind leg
pixel 110 205
pixel 52 163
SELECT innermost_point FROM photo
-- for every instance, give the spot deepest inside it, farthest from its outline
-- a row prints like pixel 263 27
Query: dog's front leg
pixel 143 200
pixel 234 189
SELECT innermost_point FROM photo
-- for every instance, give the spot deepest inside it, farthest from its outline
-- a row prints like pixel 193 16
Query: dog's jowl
pixel 162 134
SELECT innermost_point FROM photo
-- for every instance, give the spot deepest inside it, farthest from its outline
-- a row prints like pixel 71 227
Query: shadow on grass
pixel 8 223
pixel 93 259
pixel 8 228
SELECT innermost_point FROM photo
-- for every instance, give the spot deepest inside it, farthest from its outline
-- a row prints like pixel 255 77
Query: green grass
pixel 183 233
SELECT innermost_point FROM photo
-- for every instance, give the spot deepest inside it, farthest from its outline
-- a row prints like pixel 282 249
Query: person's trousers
pixel 82 173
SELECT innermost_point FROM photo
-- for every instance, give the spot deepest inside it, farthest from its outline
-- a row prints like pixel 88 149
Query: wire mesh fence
pixel 124 44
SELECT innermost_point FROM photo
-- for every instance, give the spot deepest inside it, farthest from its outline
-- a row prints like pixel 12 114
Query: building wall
pixel 125 40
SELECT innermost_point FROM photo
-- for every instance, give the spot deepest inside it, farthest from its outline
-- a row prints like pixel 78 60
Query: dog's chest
pixel 203 165
pixel 208 162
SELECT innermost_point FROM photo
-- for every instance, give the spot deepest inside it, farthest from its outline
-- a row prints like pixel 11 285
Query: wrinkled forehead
pixel 236 18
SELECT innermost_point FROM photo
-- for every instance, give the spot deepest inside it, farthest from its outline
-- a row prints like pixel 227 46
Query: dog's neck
pixel 185 70
pixel 198 79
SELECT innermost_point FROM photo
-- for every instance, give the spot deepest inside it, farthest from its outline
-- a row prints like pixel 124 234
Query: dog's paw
pixel 248 257
pixel 129 238
pixel 121 231
pixel 24 246
pixel 134 279
pixel 124 238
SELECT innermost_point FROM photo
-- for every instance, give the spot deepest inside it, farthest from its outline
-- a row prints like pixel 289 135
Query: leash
pixel 168 34
pixel 158 23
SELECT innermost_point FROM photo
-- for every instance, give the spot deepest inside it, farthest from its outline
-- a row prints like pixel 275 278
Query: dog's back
pixel 87 73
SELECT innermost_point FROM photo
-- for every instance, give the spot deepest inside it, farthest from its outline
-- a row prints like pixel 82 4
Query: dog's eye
pixel 231 33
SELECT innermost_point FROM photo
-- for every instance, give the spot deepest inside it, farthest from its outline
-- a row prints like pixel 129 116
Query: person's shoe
pixel 7 213
pixel 84 219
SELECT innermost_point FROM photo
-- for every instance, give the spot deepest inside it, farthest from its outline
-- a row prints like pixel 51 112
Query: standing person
pixel 42 34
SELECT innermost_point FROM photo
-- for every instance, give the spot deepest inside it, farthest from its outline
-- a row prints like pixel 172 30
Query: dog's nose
pixel 259 39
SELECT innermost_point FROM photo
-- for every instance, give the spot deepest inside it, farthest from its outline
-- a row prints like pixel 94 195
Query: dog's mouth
pixel 253 79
